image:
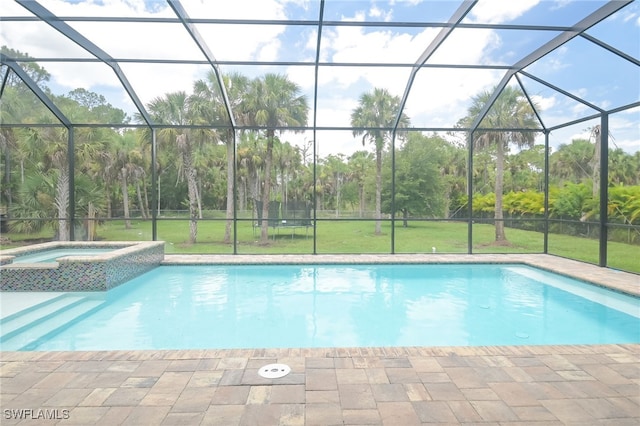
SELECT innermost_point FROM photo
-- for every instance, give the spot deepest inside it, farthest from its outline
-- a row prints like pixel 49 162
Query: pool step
pixel 35 312
pixel 46 319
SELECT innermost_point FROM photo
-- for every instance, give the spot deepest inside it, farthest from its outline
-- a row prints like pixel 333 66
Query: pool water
pixel 48 256
pixel 268 306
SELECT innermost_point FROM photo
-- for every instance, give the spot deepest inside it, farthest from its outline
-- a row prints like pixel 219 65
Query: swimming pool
pixel 278 306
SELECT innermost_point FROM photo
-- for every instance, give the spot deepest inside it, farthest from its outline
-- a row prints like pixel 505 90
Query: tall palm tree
pixel 511 111
pixel 336 169
pixel 376 110
pixel 210 106
pixel 288 162
pixel 173 109
pixel 250 158
pixel 274 101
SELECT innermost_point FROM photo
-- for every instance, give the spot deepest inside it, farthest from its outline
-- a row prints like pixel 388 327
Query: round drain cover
pixel 274 371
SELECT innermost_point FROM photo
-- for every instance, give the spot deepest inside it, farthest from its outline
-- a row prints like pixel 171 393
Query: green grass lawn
pixel 357 236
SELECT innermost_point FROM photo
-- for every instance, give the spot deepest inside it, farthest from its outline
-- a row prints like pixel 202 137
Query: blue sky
pixel 439 96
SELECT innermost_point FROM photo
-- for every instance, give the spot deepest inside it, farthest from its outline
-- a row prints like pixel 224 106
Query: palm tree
pixel 52 144
pixel 511 110
pixel 453 171
pixel 288 162
pixel 571 162
pixel 250 158
pixel 274 101
pixel 173 109
pixel 360 164
pixel 622 167
pixel 377 110
pixel 336 169
pixel 210 106
pixel 49 147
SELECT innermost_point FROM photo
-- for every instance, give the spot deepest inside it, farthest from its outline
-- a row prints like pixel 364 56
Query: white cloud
pixel 464 46
pixel 580 110
pixel 269 51
pixel 499 11
pixel 631 16
pixel 559 4
pixel 376 12
pixel 439 97
pixel 544 103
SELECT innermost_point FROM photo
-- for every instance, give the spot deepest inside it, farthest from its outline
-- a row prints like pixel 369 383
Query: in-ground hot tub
pixel 77 265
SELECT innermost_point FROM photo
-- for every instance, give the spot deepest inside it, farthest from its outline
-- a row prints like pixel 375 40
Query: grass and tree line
pixel 201 164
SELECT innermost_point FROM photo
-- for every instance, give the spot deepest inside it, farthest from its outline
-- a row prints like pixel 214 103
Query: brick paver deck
pixel 536 385
pixel 544 385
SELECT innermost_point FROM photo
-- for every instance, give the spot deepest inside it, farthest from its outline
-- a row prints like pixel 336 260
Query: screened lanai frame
pixel 514 73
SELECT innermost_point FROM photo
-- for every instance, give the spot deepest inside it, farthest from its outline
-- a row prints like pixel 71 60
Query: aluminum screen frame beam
pixel 611 49
pixel 455 19
pixel 4 77
pixel 599 15
pixel 204 48
pixel 52 20
pixel 535 111
pixel 316 71
pixel 561 91
pixel 28 81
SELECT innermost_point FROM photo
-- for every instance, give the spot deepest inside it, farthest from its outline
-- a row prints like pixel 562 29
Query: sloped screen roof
pixel 575 59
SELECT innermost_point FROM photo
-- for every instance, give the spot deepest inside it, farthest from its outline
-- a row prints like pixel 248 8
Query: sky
pixel 439 96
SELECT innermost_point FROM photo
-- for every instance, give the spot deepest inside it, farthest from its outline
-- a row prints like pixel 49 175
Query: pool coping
pixel 328 352
pixel 120 249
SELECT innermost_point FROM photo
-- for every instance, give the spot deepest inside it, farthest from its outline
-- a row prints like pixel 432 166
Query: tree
pixel 49 151
pixel 453 170
pixel 335 169
pixel 250 157
pixel 274 101
pixel 19 105
pixel 360 163
pixel 510 111
pixel 124 161
pixel 418 185
pixel 571 162
pixel 526 169
pixel 173 109
pixel 210 105
pixel 39 201
pixel 624 168
pixel 375 114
